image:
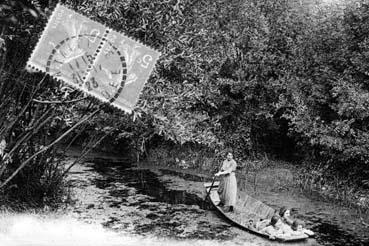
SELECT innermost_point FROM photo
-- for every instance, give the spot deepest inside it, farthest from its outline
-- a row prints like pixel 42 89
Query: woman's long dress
pixel 228 186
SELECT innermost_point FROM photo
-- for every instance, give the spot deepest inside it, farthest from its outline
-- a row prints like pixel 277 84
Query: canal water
pixel 113 203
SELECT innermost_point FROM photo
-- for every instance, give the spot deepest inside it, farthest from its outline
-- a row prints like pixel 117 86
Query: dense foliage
pixel 255 76
pixel 284 78
pixel 34 110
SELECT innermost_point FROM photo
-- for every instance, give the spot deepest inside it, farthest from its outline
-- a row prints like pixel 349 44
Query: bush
pixel 29 171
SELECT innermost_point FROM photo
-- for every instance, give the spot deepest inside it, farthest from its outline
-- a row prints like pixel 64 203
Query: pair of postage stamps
pixel 93 58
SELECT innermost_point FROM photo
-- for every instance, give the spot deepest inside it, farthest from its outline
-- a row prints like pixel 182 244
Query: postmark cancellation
pixel 93 58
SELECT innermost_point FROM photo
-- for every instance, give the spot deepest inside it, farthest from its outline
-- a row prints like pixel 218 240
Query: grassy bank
pixel 264 173
pixel 332 187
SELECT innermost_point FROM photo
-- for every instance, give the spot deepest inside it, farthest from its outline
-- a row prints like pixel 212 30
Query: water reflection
pixel 330 234
pixel 147 183
pixel 159 207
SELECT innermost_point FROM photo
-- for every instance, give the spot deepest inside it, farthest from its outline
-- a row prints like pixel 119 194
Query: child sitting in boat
pixel 275 228
pixel 296 225
pixel 298 228
pixel 285 214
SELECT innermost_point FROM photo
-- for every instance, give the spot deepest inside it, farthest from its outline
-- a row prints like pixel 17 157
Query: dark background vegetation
pixel 285 79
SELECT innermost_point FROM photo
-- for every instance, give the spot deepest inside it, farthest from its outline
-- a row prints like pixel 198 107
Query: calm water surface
pixel 170 204
pixel 116 204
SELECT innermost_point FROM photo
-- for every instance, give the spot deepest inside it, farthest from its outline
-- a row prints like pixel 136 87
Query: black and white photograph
pixel 184 122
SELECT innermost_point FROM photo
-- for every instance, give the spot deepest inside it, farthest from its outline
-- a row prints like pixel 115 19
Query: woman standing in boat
pixel 228 187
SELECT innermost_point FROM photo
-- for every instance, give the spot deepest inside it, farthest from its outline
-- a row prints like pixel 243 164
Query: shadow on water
pixel 186 176
pixel 143 200
pixel 148 183
pixel 330 234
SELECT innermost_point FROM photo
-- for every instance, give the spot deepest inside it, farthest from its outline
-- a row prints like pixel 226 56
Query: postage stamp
pixel 93 58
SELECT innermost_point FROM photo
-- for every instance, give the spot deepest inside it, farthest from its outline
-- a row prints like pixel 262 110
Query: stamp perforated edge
pixel 34 67
pixel 112 29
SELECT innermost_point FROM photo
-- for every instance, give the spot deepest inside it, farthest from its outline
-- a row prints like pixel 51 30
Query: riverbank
pixel 341 190
pixel 279 184
pixel 286 176
pixel 165 202
pixel 277 175
pixel 253 175
pixel 166 205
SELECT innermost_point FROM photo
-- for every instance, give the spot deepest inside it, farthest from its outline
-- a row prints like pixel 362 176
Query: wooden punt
pixel 247 210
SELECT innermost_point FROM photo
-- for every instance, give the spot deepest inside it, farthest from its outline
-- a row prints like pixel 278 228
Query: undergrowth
pixel 333 187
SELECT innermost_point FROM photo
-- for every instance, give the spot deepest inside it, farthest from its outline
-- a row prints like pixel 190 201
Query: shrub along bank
pixel 285 79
